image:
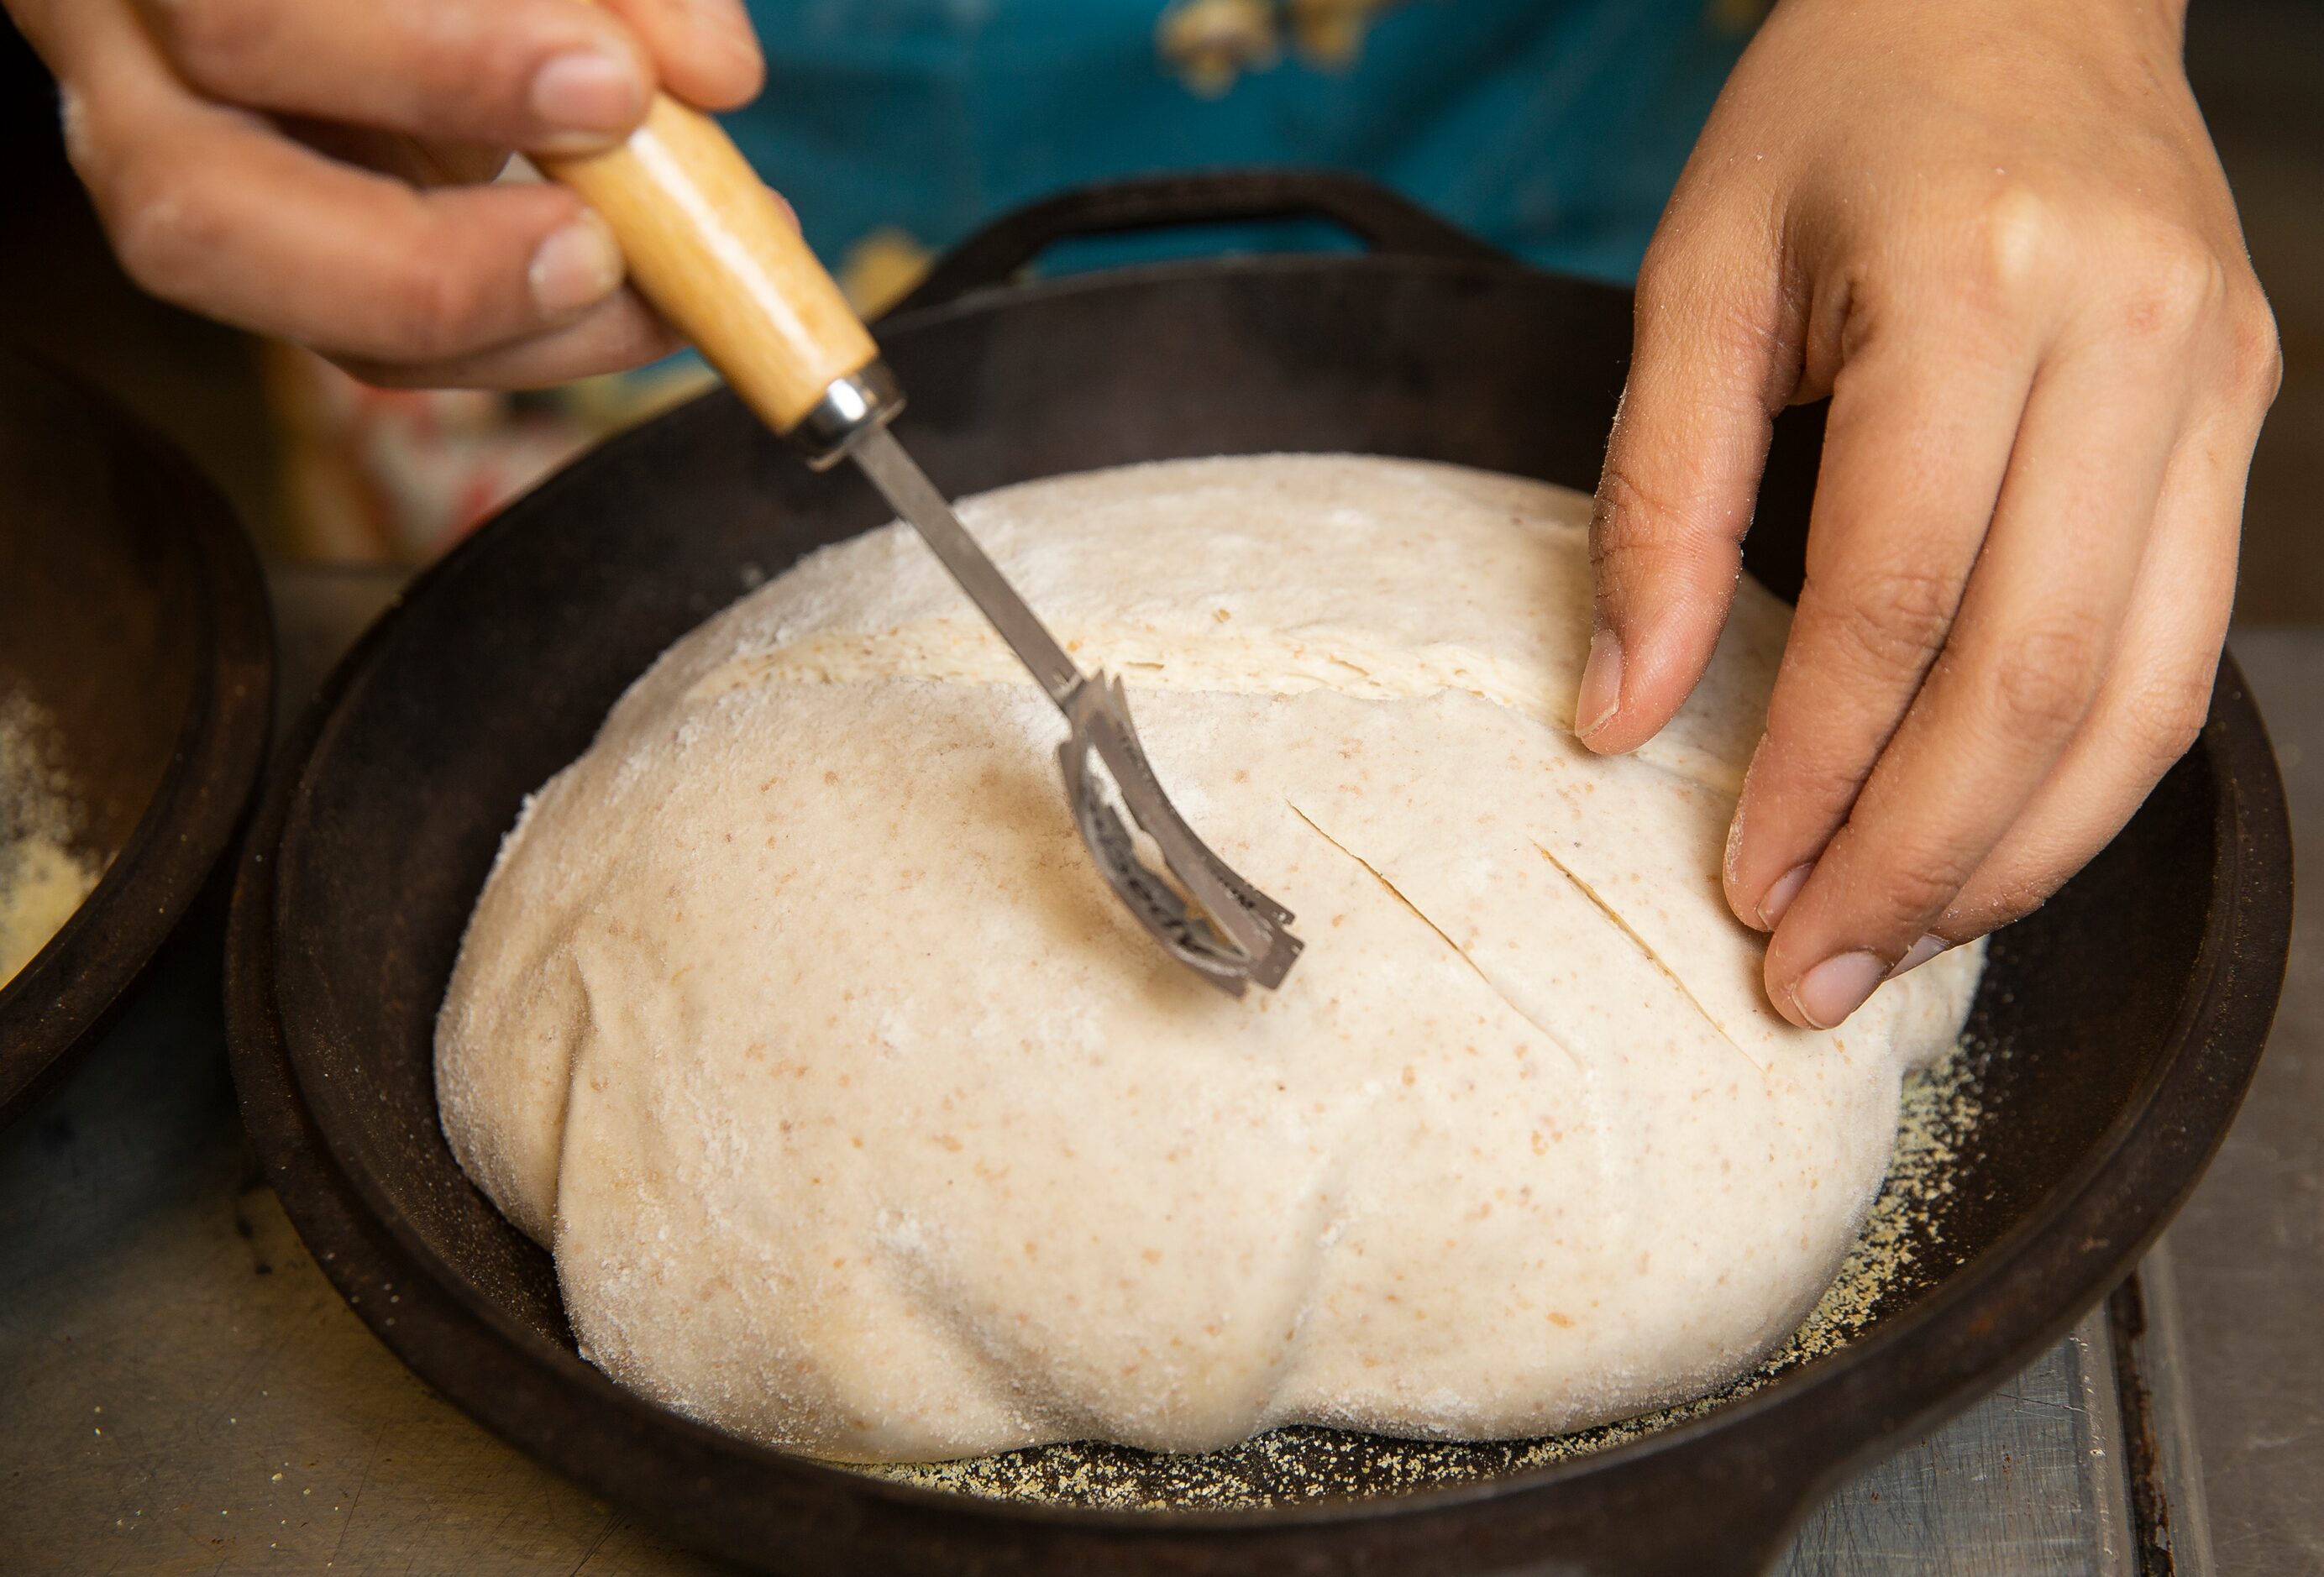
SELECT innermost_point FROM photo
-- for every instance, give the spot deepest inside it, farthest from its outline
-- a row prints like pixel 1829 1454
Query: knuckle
pixel 103 146
pixel 1644 550
pixel 462 74
pixel 1916 888
pixel 1834 776
pixel 2176 281
pixel 1892 619
pixel 97 153
pixel 2170 713
pixel 2045 682
pixel 2255 352
pixel 2016 238
pixel 87 149
pixel 220 46
pixel 1665 276
pixel 1812 785
pixel 1897 893
pixel 443 309
pixel 156 218
pixel 1633 521
pixel 1709 312
pixel 1623 515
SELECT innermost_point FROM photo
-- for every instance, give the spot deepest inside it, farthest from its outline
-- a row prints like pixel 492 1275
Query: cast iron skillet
pixel 2120 1025
pixel 132 612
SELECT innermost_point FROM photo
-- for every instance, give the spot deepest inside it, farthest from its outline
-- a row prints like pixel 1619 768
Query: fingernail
pixel 1837 987
pixel 592 94
pixel 1920 953
pixel 577 266
pixel 1601 685
pixel 1780 893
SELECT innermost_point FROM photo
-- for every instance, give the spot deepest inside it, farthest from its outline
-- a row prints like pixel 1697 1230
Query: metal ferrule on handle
pixel 852 408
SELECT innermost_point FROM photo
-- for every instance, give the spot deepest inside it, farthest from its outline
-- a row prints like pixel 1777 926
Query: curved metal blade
pixel 1240 929
pixel 1231 933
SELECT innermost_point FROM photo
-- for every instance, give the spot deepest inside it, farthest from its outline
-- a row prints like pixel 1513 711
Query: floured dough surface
pixel 862 1120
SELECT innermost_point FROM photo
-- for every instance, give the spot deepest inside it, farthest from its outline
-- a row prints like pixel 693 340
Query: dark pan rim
pixel 1904 1375
pixel 59 1003
pixel 2091 1202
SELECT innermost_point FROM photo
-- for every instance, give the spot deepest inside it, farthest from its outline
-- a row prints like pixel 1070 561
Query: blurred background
pixel 324 469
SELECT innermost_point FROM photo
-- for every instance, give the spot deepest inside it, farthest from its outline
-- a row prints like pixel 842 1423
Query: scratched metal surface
pixel 181 1390
pixel 2249 1249
pixel 2028 1484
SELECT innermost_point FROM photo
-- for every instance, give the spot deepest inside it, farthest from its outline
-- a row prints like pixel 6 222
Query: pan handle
pixel 1384 220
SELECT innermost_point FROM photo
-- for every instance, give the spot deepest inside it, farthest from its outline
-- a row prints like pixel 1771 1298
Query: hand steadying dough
pixel 1996 234
pixel 862 1119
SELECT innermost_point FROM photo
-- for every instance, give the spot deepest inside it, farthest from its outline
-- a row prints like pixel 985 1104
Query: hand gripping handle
pixel 720 257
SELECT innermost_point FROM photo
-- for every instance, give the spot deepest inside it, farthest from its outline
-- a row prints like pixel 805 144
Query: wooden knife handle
pixel 715 252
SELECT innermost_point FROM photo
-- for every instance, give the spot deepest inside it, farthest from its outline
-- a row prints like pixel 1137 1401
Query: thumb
pixel 1681 474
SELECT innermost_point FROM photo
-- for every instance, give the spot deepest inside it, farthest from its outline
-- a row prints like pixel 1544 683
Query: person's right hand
pixel 321 170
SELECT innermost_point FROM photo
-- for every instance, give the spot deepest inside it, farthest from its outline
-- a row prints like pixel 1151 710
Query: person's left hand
pixel 1996 234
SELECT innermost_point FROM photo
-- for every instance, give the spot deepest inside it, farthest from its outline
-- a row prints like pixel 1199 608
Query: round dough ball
pixel 864 1120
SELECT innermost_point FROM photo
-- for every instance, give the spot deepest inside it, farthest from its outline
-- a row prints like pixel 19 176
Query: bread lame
pixel 719 257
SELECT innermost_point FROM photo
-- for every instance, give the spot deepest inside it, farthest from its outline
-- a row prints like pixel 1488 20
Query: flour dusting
pixel 42 879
